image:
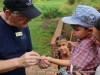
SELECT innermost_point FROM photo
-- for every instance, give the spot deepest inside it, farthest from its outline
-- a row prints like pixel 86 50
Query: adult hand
pixel 28 59
pixel 43 63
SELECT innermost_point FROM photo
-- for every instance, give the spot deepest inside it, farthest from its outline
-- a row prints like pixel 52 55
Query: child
pixel 61 44
pixel 84 56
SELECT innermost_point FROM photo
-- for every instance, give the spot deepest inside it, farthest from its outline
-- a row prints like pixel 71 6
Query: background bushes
pixel 71 2
pixel 50 12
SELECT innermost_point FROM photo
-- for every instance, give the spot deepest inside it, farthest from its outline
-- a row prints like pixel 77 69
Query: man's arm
pixel 8 65
pixel 26 60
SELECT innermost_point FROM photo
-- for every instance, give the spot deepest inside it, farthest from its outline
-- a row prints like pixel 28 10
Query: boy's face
pixel 80 32
pixel 96 36
pixel 62 46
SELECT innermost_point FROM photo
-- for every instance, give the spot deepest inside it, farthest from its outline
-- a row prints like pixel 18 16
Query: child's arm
pixel 58 61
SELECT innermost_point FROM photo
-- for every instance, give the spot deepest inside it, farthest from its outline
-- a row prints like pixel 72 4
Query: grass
pixel 51 3
pixel 1 5
pixel 41 34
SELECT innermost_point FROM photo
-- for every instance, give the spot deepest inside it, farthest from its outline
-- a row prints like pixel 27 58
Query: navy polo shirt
pixel 12 46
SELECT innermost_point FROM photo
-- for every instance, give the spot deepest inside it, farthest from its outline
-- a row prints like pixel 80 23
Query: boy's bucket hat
pixel 83 15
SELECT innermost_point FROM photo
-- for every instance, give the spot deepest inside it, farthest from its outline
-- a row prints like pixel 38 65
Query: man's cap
pixel 25 7
pixel 83 15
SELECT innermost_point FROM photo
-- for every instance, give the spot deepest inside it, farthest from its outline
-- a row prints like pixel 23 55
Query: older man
pixel 15 42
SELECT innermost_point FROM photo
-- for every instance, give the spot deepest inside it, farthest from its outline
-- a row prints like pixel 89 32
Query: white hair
pixel 15 13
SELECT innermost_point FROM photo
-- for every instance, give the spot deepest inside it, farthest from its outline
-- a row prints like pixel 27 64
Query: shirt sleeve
pixel 83 56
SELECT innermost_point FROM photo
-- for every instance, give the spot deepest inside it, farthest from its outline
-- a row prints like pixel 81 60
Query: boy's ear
pixel 90 30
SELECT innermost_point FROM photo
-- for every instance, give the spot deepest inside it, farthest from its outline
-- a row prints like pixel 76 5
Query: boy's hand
pixel 43 63
pixel 70 44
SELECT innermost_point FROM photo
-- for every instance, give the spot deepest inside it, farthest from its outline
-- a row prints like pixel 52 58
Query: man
pixel 15 43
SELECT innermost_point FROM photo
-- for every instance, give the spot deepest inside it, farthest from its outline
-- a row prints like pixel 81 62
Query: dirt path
pixel 35 70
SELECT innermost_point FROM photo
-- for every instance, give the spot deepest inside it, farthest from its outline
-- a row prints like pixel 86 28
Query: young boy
pixel 85 52
pixel 84 56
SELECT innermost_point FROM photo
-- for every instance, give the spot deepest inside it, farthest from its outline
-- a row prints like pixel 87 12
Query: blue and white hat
pixel 83 15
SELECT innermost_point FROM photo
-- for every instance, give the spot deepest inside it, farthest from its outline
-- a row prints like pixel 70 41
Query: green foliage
pixel 71 2
pixel 41 34
pixel 50 12
pixel 69 27
pixel 93 0
pixel 67 11
pixel 78 1
pixel 63 31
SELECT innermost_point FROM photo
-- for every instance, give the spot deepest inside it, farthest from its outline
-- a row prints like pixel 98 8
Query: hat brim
pixel 31 13
pixel 69 20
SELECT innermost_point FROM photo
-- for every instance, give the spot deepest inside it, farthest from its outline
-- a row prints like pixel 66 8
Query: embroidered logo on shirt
pixel 23 37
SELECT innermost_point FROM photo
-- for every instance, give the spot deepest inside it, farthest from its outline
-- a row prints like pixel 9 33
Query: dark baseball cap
pixel 25 7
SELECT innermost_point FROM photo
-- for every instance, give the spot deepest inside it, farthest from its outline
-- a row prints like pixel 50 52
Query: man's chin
pixel 23 26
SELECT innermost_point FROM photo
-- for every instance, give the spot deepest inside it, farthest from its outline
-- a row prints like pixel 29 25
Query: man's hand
pixel 28 59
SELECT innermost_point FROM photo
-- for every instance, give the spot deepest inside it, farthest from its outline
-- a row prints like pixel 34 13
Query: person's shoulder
pixel 87 42
pixel 87 39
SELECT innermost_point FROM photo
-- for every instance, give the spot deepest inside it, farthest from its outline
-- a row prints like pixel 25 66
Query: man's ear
pixel 90 30
pixel 8 13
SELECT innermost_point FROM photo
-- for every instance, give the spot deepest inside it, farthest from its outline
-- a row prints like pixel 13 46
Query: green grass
pixel 1 5
pixel 41 34
pixel 51 3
